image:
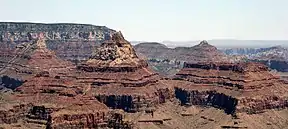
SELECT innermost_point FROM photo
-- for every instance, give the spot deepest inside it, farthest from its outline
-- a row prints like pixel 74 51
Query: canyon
pixel 115 86
pixel 92 89
pixel 51 98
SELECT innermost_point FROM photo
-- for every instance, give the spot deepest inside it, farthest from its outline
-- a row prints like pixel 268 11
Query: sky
pixel 160 20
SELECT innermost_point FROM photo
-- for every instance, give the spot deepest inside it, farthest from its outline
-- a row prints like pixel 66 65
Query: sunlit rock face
pixel 50 96
pixel 116 52
pixel 120 79
pixel 74 42
pixel 30 58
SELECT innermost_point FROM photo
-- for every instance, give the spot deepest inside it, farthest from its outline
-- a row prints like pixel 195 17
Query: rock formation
pixel 234 87
pixel 51 98
pixel 274 57
pixel 51 93
pixel 120 79
pixel 30 59
pixel 198 53
pixel 69 41
pixel 23 32
pixel 117 53
pixel 168 61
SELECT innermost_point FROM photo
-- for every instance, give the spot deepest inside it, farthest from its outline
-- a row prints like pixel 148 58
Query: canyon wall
pixel 74 42
pixel 233 87
pixel 24 32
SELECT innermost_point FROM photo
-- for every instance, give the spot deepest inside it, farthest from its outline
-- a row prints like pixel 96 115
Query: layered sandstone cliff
pixel 51 98
pixel 30 59
pixel 70 41
pixel 241 87
pixel 23 32
pixel 120 79
pixel 240 75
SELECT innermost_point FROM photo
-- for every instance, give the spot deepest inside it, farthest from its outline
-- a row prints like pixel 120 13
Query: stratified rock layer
pixel 198 53
pixel 51 98
pixel 168 61
pixel 69 41
pixel 56 102
pixel 274 57
pixel 242 87
pixel 32 58
pixel 120 79
pixel 241 75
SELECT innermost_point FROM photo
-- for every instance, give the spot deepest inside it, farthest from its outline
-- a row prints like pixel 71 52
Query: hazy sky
pixel 158 20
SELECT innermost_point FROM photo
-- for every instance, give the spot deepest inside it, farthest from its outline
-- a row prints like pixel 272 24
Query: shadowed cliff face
pixel 117 102
pixel 207 98
pixel 279 65
pixel 10 83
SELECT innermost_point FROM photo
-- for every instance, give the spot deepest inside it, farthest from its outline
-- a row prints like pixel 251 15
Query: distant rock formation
pixel 167 61
pixel 72 42
pixel 23 32
pixel 201 52
pixel 274 57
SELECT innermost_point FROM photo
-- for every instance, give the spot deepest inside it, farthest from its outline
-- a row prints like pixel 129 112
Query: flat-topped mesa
pixel 241 75
pixel 116 54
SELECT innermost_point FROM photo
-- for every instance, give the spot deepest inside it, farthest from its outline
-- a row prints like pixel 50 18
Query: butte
pixel 119 79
